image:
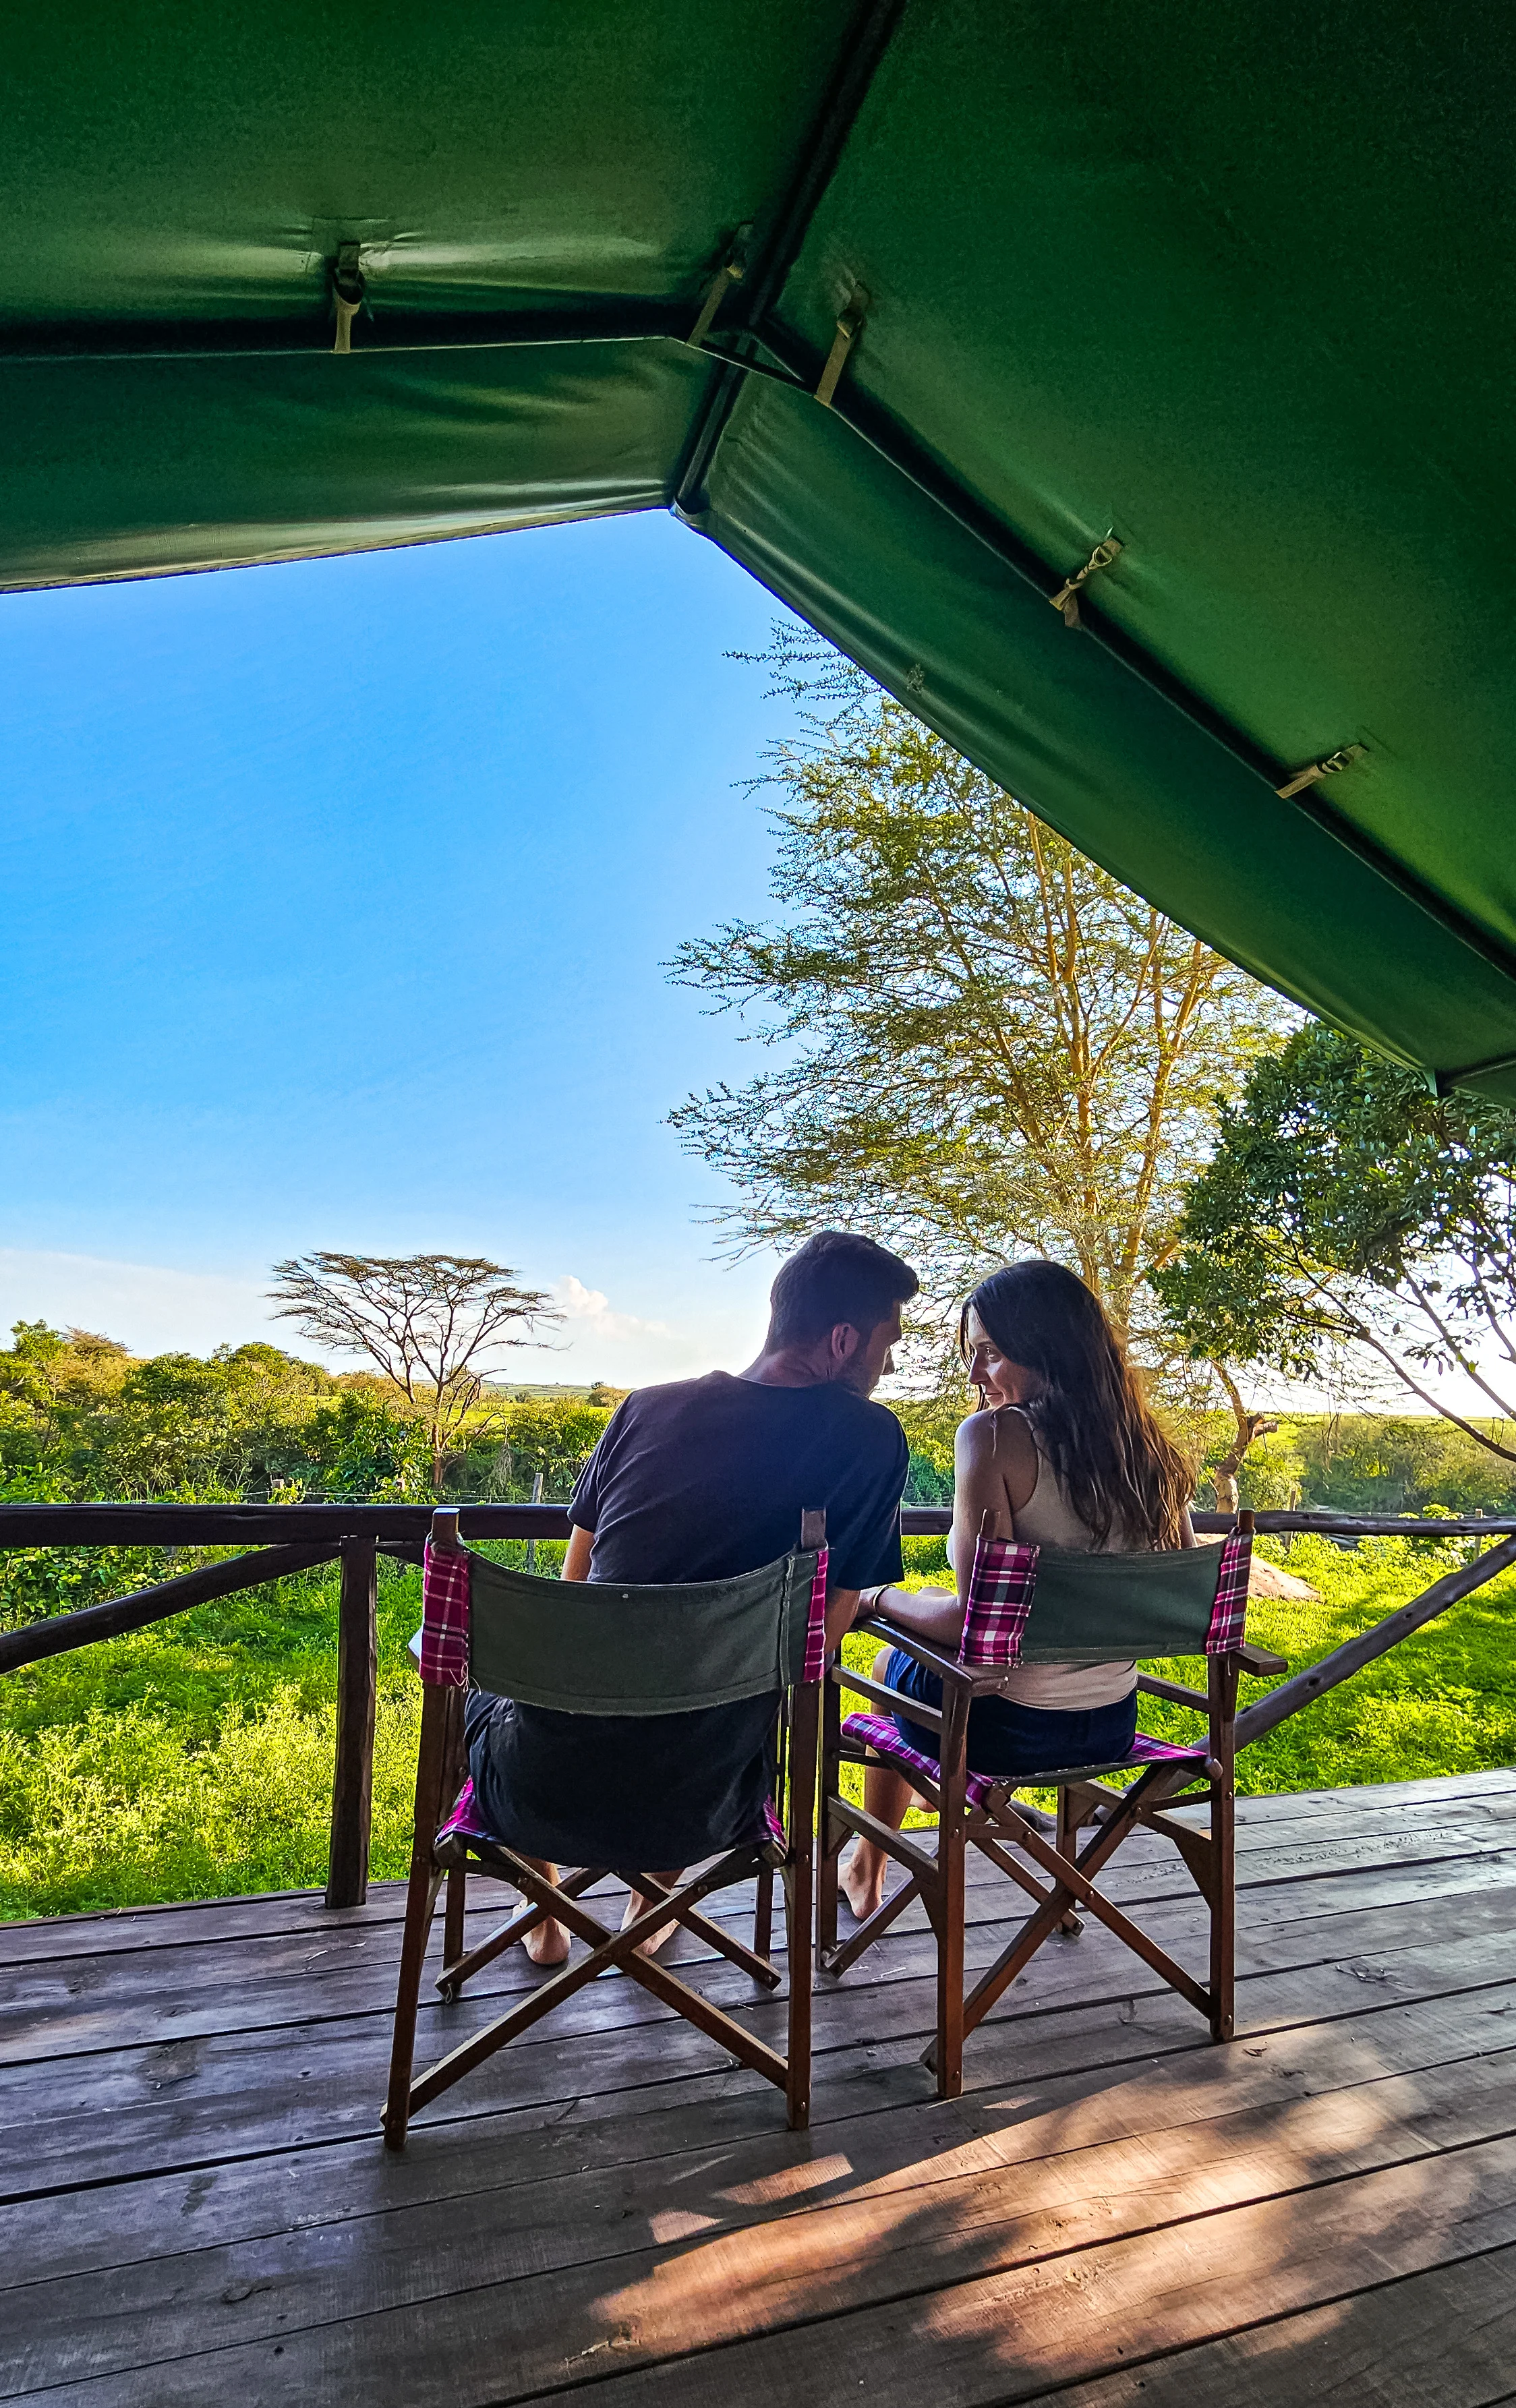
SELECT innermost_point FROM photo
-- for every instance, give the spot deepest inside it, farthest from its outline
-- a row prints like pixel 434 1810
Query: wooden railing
pixel 285 1538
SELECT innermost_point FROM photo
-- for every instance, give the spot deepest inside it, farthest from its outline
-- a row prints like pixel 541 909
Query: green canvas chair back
pixel 610 1647
pixel 1048 1605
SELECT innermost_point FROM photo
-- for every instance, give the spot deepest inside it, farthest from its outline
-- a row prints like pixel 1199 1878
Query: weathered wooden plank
pixel 55 2005
pixel 191 2103
pixel 116 1615
pixel 201 1923
pixel 895 2203
pixel 1008 2336
pixel 1014 2107
pixel 499 2151
pixel 1446 2337
pixel 956 2217
pixel 774 2309
pixel 114 2004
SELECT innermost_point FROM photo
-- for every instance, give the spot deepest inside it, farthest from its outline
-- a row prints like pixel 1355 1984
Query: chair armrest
pixel 1259 1659
pixel 891 1699
pixel 1152 1685
pixel 946 1667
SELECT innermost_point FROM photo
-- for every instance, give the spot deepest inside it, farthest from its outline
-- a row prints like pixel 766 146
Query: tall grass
pixel 194 1760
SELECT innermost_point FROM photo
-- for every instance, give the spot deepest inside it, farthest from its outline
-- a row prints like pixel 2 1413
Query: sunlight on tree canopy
pixel 986 1045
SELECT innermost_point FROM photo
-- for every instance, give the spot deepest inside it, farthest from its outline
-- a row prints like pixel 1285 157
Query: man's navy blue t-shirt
pixel 696 1480
pixel 704 1479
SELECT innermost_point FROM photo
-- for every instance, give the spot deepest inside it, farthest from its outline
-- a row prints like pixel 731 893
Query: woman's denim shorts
pixel 1007 1737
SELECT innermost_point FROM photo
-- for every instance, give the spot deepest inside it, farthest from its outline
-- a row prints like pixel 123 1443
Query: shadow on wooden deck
pixel 197 2207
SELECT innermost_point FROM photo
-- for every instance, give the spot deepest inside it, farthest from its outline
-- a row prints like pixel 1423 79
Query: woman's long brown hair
pixel 1118 1471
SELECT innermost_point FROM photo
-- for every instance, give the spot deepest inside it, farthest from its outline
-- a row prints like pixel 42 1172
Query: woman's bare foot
pixel 546 1943
pixel 863 1878
pixel 636 1904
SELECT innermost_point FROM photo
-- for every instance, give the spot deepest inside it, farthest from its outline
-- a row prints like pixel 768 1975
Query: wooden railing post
pixel 357 1686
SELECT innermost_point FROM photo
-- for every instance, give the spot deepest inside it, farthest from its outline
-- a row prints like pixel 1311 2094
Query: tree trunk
pixel 1250 1426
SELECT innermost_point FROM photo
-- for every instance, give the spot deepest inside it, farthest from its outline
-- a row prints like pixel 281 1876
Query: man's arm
pixel 576 1561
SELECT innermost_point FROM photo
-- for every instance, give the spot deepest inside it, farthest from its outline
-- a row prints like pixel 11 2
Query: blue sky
pixel 336 895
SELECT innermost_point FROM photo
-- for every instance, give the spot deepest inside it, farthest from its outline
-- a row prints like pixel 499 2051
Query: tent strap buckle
pixel 848 327
pixel 1066 599
pixel 347 293
pixel 1326 767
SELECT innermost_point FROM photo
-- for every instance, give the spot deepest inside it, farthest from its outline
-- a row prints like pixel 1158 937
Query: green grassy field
pixel 194 1760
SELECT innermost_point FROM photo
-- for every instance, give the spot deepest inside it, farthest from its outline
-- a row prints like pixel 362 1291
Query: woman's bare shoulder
pixel 1002 1436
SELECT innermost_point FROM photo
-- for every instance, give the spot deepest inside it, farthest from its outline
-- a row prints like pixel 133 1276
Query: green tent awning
pixel 1230 287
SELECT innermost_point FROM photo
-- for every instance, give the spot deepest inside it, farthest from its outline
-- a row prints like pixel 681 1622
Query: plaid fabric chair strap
pixel 1229 1613
pixel 878 1732
pixel 815 1663
pixel 1000 1592
pixel 445 1589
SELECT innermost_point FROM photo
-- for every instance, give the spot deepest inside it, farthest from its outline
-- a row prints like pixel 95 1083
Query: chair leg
pixel 831 1834
pixel 1067 1844
pixel 951 1847
pixel 420 1904
pixel 799 1906
pixel 453 1921
pixel 762 1913
pixel 442 1713
pixel 1223 1684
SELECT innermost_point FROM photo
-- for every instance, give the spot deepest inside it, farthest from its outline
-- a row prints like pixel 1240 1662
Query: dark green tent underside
pixel 1215 282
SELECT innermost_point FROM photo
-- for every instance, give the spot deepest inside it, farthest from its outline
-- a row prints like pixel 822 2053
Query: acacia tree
pixel 1348 1211
pixel 985 1043
pixel 436 1325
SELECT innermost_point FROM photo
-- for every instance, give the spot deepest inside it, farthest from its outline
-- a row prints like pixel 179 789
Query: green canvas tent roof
pixel 1230 286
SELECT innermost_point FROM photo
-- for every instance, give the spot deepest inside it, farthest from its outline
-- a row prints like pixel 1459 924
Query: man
pixel 701 1480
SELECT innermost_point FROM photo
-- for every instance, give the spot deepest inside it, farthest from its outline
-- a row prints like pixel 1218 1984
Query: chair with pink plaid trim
pixel 594 1648
pixel 1029 1604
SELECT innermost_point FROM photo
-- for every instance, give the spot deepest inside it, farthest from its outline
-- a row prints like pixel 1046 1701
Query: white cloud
pixel 591 1307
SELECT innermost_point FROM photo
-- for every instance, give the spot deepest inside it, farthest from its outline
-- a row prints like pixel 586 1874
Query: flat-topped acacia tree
pixel 436 1325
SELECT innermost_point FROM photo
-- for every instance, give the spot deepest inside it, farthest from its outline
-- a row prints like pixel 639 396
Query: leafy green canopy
pixel 984 1042
pixel 1347 1210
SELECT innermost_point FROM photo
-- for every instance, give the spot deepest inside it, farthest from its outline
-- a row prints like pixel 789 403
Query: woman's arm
pixel 995 1469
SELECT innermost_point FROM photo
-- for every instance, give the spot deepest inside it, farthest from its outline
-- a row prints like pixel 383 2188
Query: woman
pixel 1065 1452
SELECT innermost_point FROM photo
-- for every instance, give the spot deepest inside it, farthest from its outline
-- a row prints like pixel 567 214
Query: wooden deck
pixel 197 2207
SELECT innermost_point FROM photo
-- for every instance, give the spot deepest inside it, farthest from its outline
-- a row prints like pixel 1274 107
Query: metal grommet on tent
pixel 1067 597
pixel 848 327
pixel 1327 767
pixel 348 294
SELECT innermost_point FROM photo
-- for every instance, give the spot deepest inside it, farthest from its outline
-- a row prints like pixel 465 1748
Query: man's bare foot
pixel 547 1944
pixel 863 1880
pixel 636 1904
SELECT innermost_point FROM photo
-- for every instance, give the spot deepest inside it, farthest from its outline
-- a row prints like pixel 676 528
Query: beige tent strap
pixel 1067 597
pixel 848 327
pixel 1327 767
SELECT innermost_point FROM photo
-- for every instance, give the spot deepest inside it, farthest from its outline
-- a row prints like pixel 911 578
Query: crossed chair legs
pixel 1005 1832
pixel 450 1860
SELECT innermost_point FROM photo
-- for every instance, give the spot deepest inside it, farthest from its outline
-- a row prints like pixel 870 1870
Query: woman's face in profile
pixel 999 1381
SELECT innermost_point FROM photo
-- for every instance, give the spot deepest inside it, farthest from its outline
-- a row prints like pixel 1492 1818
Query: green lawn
pixel 194 1760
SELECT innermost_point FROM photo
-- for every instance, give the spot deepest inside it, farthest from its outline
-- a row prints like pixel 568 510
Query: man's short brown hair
pixel 836 1276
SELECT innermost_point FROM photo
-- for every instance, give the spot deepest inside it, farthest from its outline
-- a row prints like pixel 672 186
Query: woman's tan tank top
pixel 1047 1519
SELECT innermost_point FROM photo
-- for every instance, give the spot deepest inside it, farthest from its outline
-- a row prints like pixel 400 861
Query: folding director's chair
pixel 606 1648
pixel 1028 1604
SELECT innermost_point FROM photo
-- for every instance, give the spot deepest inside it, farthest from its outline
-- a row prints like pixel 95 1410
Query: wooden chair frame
pixel 788 1853
pixel 973 1811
